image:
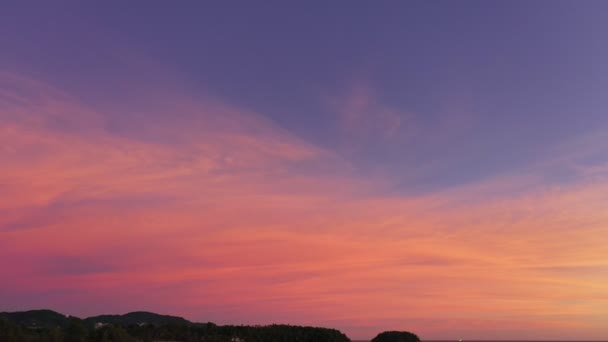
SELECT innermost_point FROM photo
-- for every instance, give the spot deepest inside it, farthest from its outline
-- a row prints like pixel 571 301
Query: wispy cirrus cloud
pixel 245 221
pixel 361 115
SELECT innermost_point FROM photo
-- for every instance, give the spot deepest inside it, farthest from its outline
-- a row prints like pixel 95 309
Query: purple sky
pixel 435 123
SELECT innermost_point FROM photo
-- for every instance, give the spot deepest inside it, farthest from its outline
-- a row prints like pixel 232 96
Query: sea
pixel 499 341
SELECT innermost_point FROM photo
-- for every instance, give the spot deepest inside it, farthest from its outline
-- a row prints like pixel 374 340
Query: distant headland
pixel 141 326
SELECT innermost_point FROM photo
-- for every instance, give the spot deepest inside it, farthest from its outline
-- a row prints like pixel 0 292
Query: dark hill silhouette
pixel 37 318
pixel 396 336
pixel 47 325
pixel 137 317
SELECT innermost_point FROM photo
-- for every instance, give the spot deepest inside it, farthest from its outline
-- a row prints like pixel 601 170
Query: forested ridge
pixel 50 326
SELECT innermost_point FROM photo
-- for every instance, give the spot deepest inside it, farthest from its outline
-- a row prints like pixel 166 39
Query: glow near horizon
pixel 167 197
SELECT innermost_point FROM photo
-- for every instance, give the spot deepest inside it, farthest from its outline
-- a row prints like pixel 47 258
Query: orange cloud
pixel 220 215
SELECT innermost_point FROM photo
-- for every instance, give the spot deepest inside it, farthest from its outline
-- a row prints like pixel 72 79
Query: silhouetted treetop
pixel 396 336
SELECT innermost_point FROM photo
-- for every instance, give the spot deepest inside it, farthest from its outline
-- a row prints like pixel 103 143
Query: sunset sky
pixel 439 167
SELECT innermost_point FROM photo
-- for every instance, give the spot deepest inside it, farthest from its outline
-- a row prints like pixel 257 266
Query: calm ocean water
pixel 496 341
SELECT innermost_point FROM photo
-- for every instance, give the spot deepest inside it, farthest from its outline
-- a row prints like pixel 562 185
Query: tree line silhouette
pixel 50 326
pixel 72 329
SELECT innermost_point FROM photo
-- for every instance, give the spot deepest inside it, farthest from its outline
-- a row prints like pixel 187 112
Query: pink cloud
pixel 218 212
pixel 362 117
